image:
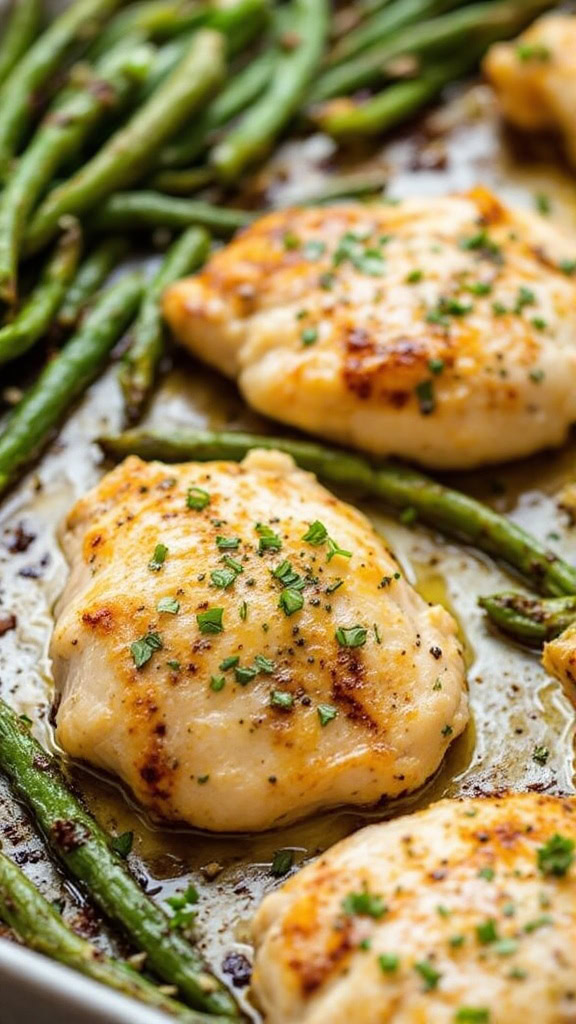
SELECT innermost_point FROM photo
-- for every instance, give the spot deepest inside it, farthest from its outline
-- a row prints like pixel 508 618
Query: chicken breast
pixel 442 330
pixel 465 912
pixel 559 659
pixel 241 648
pixel 535 77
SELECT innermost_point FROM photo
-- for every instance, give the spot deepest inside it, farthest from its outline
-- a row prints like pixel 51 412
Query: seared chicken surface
pixel 465 912
pixel 535 77
pixel 240 647
pixel 442 330
pixel 559 659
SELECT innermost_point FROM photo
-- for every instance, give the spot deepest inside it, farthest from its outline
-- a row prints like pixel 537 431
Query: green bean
pixel 80 20
pixel 143 357
pixel 143 210
pixel 240 22
pixel 488 20
pixel 259 127
pixel 124 157
pixel 24 20
pixel 91 275
pixel 378 27
pixel 36 315
pixel 181 182
pixel 64 378
pixel 85 850
pixel 344 118
pixel 60 136
pixel 447 510
pixel 152 19
pixel 245 87
pixel 40 926
pixel 530 619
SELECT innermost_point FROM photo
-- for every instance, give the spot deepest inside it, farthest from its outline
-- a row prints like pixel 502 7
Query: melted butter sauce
pixel 515 705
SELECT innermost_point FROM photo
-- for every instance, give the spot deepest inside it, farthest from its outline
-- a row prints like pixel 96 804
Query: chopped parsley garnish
pixel 168 605
pixel 281 863
pixel 245 675
pixel 542 203
pixel 314 249
pixel 526 297
pixel 388 962
pixel 482 243
pixel 264 665
pixel 183 906
pixel 229 662
pixel 122 844
pixel 436 365
pixel 539 323
pixel 567 267
pixel 487 873
pixel 537 376
pixel 335 549
pixel 366 259
pixel 540 754
pixel 434 316
pixel 364 904
pixel 237 567
pixel 505 947
pixel 326 713
pixel 316 533
pixel 426 397
pixel 227 543
pixel 309 335
pixel 143 649
pixel 243 611
pixel 447 730
pixel 158 558
pixel 290 241
pixel 479 287
pixel 472 1015
pixel 408 515
pixel 518 974
pixel 326 280
pixel 290 601
pixel 281 699
pixel 217 683
pixel 210 621
pixel 414 277
pixel 197 498
pixel 285 573
pixel 223 577
pixel 537 923
pixel 533 51
pixel 556 856
pixel 487 932
pixel 428 973
pixel 269 541
pixel 174 665
pixel 351 636
pixel 454 307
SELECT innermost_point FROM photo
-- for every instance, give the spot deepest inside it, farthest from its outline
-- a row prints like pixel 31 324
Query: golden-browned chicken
pixel 559 659
pixel 443 330
pixel 462 914
pixel 535 77
pixel 241 648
